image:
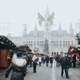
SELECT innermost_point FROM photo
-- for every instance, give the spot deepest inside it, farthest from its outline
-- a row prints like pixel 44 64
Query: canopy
pixel 24 48
pixel 6 43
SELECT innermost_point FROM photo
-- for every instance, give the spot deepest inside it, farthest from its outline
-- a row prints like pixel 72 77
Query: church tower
pixel 46 20
pixel 60 28
pixel 24 30
pixel 71 30
pixel 47 12
pixel 78 26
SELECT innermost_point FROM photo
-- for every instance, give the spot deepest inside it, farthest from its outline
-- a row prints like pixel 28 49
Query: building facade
pixel 58 41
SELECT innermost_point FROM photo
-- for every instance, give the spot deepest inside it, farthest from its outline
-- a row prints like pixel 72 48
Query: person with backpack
pixel 65 64
pixel 18 67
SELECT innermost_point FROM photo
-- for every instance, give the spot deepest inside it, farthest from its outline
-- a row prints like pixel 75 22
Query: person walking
pixel 65 64
pixel 47 60
pixel 35 60
pixel 29 62
pixel 57 59
pixel 51 60
pixel 18 67
pixel 74 61
pixel 40 60
pixel 43 59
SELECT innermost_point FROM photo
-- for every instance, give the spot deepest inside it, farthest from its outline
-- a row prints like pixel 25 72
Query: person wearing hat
pixel 18 67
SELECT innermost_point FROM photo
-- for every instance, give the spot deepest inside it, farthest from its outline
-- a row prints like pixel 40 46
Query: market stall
pixel 6 47
pixel 74 51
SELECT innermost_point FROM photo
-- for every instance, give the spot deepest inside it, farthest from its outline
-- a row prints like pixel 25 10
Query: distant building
pixel 58 40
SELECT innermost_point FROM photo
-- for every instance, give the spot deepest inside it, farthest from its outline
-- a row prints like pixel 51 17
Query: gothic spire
pixel 47 12
pixel 25 30
pixel 60 28
pixel 71 30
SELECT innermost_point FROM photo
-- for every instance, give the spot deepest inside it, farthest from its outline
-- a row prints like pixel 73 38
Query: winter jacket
pixel 18 73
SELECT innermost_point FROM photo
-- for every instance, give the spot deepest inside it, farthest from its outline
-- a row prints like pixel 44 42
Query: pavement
pixel 48 73
pixel 2 75
pixel 74 73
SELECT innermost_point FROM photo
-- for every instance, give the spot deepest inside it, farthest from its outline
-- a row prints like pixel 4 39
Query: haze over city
pixel 39 40
pixel 15 13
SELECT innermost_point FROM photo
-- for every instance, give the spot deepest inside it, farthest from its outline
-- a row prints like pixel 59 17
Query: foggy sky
pixel 15 13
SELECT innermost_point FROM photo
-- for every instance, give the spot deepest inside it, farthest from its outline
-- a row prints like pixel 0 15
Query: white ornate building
pixel 58 40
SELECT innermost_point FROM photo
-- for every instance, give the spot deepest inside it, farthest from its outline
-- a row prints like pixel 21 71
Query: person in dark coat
pixel 57 59
pixel 43 59
pixel 29 61
pixel 47 60
pixel 65 64
pixel 74 61
pixel 35 60
pixel 18 72
pixel 51 60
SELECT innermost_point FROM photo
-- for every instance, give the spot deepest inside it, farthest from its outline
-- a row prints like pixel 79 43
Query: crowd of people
pixel 67 61
pixel 20 64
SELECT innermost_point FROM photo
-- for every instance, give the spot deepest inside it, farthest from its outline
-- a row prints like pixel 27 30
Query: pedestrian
pixel 35 60
pixel 40 60
pixel 65 64
pixel 57 59
pixel 74 60
pixel 18 67
pixel 51 60
pixel 43 59
pixel 47 60
pixel 29 62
